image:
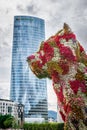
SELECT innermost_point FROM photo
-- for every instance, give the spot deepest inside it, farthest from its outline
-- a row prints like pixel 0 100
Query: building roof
pixel 6 100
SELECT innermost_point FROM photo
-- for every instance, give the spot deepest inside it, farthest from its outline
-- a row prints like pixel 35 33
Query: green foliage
pixel 43 126
pixel 2 119
pixel 7 121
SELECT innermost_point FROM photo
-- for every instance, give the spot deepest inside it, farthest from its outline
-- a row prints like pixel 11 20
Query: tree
pixel 7 121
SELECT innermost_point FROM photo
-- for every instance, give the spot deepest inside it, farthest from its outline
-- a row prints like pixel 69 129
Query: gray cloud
pixel 32 8
pixel 5 43
pixel 20 8
pixel 81 4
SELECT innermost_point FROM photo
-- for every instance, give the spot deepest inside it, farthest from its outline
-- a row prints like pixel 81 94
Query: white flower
pixel 36 56
pixel 85 74
pixel 62 41
pixel 44 67
pixel 57 86
pixel 56 54
pixel 81 67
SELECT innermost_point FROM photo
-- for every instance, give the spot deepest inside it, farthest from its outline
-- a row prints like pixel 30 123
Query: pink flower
pixel 85 70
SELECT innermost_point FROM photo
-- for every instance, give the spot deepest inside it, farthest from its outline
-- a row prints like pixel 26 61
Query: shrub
pixel 43 126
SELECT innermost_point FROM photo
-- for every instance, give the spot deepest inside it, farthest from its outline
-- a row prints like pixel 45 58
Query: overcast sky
pixel 55 13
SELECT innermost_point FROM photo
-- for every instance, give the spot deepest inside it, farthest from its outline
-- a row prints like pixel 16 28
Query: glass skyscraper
pixel 25 87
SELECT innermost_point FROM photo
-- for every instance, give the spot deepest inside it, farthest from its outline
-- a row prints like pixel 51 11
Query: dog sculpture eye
pixel 63 59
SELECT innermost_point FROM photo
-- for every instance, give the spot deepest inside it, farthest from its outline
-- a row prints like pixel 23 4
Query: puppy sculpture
pixel 63 59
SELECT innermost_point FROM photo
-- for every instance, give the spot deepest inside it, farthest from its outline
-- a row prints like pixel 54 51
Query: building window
pixel 9 110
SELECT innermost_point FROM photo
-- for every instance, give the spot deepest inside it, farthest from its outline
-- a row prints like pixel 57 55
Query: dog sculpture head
pixel 56 54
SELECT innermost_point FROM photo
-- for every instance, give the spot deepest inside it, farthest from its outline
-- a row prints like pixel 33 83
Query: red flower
pixel 56 39
pixel 60 45
pixel 55 77
pixel 48 50
pixel 76 84
pixel 60 94
pixel 81 48
pixel 43 58
pixel 31 57
pixel 62 115
pixel 66 53
pixel 37 64
pixel 69 36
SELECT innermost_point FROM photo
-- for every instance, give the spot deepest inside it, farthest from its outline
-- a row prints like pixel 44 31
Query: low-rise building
pixel 12 108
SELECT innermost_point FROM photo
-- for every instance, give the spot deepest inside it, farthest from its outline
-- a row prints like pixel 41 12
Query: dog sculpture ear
pixel 66 28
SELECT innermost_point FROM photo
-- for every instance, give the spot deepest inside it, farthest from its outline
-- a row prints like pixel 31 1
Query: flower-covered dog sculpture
pixel 62 59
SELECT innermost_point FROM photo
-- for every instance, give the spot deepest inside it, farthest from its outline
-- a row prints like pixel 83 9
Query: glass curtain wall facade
pixel 25 87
